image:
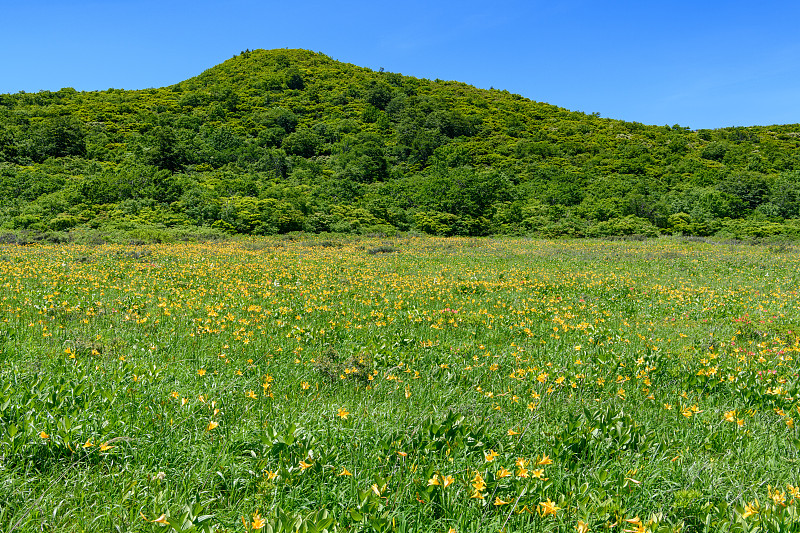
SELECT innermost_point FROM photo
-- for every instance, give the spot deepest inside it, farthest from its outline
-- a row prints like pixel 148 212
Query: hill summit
pixel 275 141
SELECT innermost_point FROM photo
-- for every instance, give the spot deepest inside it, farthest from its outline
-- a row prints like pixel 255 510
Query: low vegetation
pixel 399 384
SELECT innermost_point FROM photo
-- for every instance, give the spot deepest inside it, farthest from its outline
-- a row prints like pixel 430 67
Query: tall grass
pixel 464 384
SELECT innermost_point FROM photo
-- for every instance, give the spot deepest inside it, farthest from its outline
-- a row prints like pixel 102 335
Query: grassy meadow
pixel 406 384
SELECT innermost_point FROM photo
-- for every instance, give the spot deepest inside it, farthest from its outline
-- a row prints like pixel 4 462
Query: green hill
pixel 288 140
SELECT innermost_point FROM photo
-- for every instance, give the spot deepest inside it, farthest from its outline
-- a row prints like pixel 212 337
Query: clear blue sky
pixel 701 64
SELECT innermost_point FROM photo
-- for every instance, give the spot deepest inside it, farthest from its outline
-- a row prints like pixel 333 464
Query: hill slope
pixel 286 140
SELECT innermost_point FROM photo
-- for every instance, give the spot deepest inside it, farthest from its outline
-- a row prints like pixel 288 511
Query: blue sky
pixel 701 64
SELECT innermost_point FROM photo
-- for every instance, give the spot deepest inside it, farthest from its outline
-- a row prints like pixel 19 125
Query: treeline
pixel 289 140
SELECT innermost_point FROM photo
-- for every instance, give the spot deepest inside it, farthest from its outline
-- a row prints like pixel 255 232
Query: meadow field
pixel 308 383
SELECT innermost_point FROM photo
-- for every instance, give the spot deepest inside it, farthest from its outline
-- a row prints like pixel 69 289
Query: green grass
pixel 619 384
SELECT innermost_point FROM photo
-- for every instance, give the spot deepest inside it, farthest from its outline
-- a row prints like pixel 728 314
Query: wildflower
pixel 498 501
pixel 305 385
pixel 160 476
pixel 252 394
pixel 104 447
pixel 548 507
pixel 521 462
pixel 545 460
pixel 402 454
pixel 477 482
pixel 272 475
pixel 161 520
pixel 88 444
pixel 211 425
pixel 778 497
pixel 522 472
pixel 582 527
pixel 636 522
pixel 730 416
pixel 538 474
pixel 201 372
pixel 511 432
pixel 258 522
pixel 343 413
pixel 447 481
pixel 477 495
pixel 750 509
pixel 345 472
pixel 184 401
pixel 304 465
pixel 44 435
pixel 434 480
pixel 502 473
pixel 490 455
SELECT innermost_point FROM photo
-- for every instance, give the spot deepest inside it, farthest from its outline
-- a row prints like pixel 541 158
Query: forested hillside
pixel 289 140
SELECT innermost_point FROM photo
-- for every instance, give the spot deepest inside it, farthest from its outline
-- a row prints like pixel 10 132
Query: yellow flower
pixel 161 520
pixel 582 527
pixel 343 413
pixel 522 472
pixel 538 474
pixel 105 447
pixel 778 496
pixel 434 480
pixel 490 455
pixel 252 394
pixel 511 432
pixel 305 385
pixel 201 372
pixel 304 465
pixel 258 522
pixel 211 425
pixel 447 481
pixel 521 462
pixel 498 501
pixel 478 482
pixel 548 507
pixel 502 473
pixel 730 416
pixel 88 444
pixel 750 509
pixel 44 435
pixel 345 472
pixel 270 475
pixel 477 495
pixel 545 460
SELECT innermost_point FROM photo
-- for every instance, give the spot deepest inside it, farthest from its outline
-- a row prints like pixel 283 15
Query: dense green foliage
pixel 286 140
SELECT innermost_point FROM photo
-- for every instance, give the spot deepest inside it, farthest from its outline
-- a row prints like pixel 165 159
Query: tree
pixel 58 137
